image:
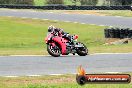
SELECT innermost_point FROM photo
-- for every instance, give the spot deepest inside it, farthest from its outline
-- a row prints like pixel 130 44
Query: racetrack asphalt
pixel 46 65
pixel 88 19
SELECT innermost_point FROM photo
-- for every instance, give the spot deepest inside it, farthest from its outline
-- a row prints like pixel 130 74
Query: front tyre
pixel 82 51
pixel 53 51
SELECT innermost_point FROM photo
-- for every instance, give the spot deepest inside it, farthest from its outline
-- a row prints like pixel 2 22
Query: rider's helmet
pixel 51 28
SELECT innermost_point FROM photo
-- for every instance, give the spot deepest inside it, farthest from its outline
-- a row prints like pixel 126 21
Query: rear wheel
pixel 82 51
pixel 53 50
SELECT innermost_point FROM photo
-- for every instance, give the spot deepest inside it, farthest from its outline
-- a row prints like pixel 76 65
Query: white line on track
pixel 10 76
pixel 14 10
pixel 9 16
pixel 30 55
pixel 66 13
pixel 33 75
pixel 83 23
pixel 92 24
pixel 51 12
pixel 35 18
pixel 118 16
pixel 2 56
pixel 45 19
pixel 53 75
pixel 109 53
pixel 67 21
pixel 85 14
pixel 75 22
pixel 56 74
pixel 24 17
pixel 101 25
pixel 49 55
pixel 110 26
pixel 33 11
pixel 56 20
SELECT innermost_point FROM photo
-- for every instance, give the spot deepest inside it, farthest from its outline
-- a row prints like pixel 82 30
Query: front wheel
pixel 53 50
pixel 82 51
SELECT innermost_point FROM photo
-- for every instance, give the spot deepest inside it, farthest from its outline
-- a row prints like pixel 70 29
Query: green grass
pixel 43 2
pixel 39 2
pixel 74 85
pixel 66 2
pixel 63 81
pixel 26 36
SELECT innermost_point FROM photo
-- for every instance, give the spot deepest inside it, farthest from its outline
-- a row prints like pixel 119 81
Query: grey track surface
pixel 44 65
pixel 89 19
pixel 49 65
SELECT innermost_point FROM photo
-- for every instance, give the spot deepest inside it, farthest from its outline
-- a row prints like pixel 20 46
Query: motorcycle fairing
pixel 62 42
pixel 47 39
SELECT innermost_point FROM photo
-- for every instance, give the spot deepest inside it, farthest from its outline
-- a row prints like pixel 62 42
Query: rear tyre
pixel 82 51
pixel 53 51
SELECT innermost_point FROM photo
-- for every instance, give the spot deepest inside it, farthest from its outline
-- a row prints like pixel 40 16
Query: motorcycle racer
pixel 62 43
pixel 59 31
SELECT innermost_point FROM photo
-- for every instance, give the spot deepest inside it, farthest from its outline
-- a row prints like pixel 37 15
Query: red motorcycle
pixel 57 45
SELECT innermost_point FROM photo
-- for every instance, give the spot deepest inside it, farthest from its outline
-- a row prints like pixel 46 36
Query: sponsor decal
pixel 83 78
